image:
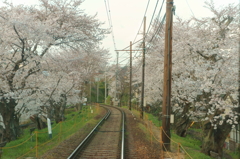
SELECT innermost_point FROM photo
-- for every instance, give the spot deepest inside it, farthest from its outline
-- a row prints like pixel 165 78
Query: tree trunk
pixel 183 122
pixel 59 108
pixel 40 124
pixel 58 115
pixel 120 100
pixel 10 120
pixel 214 139
pixel 182 126
pixel 78 107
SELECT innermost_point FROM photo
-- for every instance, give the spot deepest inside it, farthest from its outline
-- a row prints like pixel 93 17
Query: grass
pixel 145 130
pixel 150 117
pixel 191 146
pixel 235 154
pixel 60 132
pixel 154 120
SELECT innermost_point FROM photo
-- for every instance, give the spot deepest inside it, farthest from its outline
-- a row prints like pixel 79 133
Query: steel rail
pixel 74 153
pixel 123 131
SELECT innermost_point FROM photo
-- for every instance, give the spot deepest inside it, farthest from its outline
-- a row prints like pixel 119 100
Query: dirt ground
pixel 138 145
pixel 141 144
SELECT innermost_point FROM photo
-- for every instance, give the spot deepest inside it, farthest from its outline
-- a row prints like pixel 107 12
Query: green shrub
pixel 108 100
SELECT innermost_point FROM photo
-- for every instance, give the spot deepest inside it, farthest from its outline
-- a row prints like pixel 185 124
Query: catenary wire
pixel 150 23
pixel 142 21
pixel 107 6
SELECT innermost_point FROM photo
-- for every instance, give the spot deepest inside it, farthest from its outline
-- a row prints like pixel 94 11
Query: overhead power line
pixel 160 27
pixel 114 43
pixel 156 5
pixel 190 8
pixel 107 6
pixel 152 17
pixel 158 17
pixel 142 21
pixel 150 27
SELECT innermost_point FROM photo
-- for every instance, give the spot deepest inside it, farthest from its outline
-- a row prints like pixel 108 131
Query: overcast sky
pixel 127 16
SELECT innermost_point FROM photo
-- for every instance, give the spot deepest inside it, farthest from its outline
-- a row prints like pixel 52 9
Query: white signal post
pixel 49 128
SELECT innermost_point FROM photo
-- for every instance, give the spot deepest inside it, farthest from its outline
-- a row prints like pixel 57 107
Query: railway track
pixel 106 140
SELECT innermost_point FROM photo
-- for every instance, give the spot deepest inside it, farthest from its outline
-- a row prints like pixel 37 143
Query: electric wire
pixel 158 17
pixel 149 24
pixel 121 55
pixel 107 6
pixel 152 17
pixel 141 24
pixel 190 8
pixel 142 21
pixel 160 27
pixel 109 22
pixel 124 59
pixel 113 38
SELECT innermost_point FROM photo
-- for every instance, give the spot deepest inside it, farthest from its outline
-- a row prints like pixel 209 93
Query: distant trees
pixel 28 34
pixel 123 85
pixel 120 90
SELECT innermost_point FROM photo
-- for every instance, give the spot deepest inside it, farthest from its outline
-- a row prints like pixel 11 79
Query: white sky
pixel 127 17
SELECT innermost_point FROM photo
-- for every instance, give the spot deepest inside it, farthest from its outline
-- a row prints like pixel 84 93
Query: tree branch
pixel 46 49
pixel 22 40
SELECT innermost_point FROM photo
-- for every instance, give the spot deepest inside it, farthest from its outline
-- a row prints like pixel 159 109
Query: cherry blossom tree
pixel 123 85
pixel 118 83
pixel 56 91
pixel 220 76
pixel 28 33
pixel 204 75
pixel 85 66
pixel 153 66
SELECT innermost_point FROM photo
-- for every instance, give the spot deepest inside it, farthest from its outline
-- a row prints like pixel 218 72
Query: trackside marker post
pixel 49 128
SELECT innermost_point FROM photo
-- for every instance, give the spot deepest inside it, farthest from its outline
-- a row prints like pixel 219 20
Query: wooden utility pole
pixel 166 107
pixel 105 93
pixel 130 82
pixel 143 68
pixel 116 94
